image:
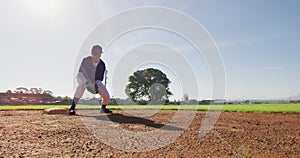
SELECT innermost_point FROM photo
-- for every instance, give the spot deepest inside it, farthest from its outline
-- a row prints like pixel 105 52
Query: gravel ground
pixel 34 134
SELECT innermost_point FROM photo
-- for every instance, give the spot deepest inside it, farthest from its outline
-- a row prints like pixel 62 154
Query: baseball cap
pixel 97 48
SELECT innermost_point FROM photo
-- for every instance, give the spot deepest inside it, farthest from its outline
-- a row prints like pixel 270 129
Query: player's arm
pixel 83 68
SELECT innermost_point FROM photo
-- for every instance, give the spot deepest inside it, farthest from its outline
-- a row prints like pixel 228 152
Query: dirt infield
pixel 34 134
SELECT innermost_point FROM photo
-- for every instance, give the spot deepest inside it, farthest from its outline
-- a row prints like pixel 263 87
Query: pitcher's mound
pixel 56 111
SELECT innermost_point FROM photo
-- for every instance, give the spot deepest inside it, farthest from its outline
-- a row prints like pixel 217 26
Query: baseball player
pixel 90 77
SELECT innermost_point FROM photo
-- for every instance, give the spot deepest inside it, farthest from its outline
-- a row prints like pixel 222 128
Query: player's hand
pixel 97 82
pixel 96 89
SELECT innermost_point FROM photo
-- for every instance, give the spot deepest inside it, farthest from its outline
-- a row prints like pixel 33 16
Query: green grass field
pixel 283 108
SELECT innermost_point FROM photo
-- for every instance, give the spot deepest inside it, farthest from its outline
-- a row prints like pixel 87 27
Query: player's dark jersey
pixel 100 69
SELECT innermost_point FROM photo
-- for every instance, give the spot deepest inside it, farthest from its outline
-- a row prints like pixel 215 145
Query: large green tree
pixel 148 86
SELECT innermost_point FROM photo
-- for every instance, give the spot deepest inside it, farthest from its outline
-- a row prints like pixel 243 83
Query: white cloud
pixel 249 40
pixel 263 68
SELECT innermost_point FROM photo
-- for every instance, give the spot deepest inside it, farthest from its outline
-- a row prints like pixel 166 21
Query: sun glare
pixel 46 7
pixel 40 4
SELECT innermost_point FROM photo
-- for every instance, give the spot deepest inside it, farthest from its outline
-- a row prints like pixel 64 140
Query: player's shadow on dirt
pixel 123 119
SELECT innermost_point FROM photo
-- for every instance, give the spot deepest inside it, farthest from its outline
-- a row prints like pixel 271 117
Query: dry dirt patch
pixel 34 134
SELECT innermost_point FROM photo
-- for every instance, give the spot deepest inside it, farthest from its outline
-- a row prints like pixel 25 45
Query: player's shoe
pixel 104 110
pixel 71 112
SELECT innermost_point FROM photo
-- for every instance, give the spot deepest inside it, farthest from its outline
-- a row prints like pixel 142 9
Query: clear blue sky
pixel 258 41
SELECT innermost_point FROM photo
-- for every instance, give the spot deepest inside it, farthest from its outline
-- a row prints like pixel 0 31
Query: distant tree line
pixel 25 96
